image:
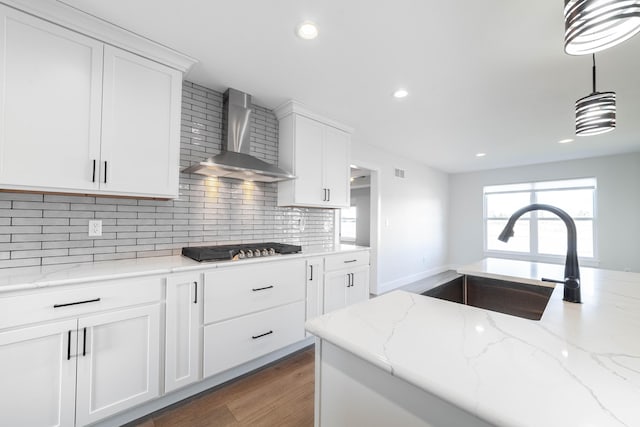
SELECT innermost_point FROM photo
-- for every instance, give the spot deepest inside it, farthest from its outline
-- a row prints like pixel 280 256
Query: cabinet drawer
pixel 239 290
pixel 79 300
pixel 234 342
pixel 348 260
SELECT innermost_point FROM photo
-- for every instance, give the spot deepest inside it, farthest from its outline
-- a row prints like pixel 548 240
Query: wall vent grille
pixel 400 173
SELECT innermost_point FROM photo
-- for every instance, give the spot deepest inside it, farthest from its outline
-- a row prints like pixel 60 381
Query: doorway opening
pixel 358 224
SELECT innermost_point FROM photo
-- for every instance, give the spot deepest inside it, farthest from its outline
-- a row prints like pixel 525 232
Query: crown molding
pixel 294 107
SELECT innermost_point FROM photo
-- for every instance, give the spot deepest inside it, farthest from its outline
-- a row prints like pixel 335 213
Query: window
pixel 348 218
pixel 541 234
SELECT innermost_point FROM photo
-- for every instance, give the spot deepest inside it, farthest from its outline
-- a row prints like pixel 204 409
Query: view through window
pixel 348 218
pixel 540 234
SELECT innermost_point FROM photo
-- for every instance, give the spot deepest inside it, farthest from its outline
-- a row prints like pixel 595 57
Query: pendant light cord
pixel 593 55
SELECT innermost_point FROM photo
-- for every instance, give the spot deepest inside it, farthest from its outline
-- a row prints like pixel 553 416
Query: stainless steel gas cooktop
pixel 238 252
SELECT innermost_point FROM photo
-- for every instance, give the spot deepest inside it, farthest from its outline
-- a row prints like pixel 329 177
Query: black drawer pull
pixel 262 289
pixel 84 342
pixel 311 278
pixel 195 293
pixel 351 260
pixel 75 303
pixel 69 346
pixel 255 337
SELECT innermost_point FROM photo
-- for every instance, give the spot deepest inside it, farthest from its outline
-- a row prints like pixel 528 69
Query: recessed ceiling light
pixel 400 93
pixel 307 30
pixel 565 141
pixel 481 154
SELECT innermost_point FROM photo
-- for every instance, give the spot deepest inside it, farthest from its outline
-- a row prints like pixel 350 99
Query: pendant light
pixel 595 113
pixel 595 25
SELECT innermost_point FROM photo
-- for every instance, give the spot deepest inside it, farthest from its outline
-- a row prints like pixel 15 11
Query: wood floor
pixel 278 395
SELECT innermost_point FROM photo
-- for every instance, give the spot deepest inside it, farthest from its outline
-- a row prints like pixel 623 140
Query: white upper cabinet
pixel 140 126
pixel 50 95
pixel 317 152
pixel 81 116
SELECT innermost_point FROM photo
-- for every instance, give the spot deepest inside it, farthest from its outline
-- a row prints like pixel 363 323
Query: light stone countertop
pixel 578 366
pixel 25 278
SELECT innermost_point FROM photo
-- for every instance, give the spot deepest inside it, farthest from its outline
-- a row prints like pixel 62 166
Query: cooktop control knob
pixel 256 252
pixel 265 252
pixel 241 254
pixel 249 254
pixel 272 251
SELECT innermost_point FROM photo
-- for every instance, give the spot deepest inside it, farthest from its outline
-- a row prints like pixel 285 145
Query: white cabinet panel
pixel 118 361
pixel 308 161
pixel 140 125
pixel 183 332
pixel 236 341
pixel 38 371
pixel 337 172
pixel 50 95
pixel 238 290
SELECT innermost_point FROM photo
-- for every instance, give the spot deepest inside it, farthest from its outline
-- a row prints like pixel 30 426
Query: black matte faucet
pixel 571 270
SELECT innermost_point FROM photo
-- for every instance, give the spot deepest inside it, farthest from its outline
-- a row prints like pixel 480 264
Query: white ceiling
pixel 483 76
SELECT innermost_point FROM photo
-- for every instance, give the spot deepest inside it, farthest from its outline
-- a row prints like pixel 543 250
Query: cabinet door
pixel 183 331
pixel 314 288
pixel 50 92
pixel 359 289
pixel 336 286
pixel 118 361
pixel 38 371
pixel 335 160
pixel 308 161
pixel 140 126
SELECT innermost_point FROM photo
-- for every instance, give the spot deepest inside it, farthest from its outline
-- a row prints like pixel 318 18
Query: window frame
pixel 534 188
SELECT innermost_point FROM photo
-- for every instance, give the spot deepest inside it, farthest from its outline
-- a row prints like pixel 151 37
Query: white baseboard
pixel 394 284
pixel 205 384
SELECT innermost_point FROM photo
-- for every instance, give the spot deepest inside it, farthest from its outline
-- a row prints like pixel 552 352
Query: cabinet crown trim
pixel 294 107
pixel 76 20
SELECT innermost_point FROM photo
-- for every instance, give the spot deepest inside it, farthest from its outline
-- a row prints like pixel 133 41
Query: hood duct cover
pixel 235 161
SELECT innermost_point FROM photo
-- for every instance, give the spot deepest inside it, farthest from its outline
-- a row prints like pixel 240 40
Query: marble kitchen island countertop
pixel 25 278
pixel 578 366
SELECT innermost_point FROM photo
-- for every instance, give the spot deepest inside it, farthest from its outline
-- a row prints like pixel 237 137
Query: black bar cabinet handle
pixel 348 280
pixel 105 171
pixel 255 337
pixel 69 345
pixel 328 194
pixel 311 278
pixel 93 175
pixel 351 260
pixel 84 342
pixel 76 303
pixel 195 293
pixel 262 289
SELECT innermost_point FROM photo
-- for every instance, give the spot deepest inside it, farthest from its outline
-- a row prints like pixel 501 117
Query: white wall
pixel 412 230
pixel 361 199
pixel 618 206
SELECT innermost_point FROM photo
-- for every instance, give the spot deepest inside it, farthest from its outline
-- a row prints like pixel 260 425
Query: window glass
pixel 348 218
pixel 518 243
pixel 503 205
pixel 552 237
pixel 577 203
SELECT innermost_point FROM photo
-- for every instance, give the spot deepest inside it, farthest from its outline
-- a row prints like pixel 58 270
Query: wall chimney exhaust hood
pixel 234 161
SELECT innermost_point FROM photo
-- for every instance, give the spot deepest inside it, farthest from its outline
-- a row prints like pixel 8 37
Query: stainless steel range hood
pixel 234 161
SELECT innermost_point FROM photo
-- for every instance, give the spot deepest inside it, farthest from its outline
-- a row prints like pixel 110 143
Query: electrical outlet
pixel 95 228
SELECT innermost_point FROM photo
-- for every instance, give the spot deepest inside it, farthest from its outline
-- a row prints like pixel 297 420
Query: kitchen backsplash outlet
pixel 43 229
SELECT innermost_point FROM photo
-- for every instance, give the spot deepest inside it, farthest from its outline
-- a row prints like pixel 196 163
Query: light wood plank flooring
pixel 278 395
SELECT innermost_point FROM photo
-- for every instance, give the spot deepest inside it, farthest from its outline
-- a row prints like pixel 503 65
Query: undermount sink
pixel 516 299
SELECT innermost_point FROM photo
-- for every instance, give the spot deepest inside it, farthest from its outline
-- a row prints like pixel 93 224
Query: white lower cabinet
pixel 38 375
pixel 346 280
pixel 183 331
pixel 80 354
pixel 234 342
pixel 345 287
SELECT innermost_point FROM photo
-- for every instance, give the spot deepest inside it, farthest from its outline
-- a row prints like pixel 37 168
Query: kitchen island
pixel 412 360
